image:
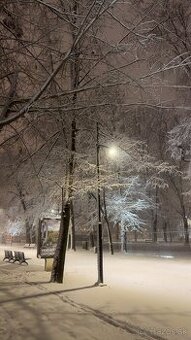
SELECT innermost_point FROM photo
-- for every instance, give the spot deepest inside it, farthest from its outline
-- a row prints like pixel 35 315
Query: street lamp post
pixel 99 229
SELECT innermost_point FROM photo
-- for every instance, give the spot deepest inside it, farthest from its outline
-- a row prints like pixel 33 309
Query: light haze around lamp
pixel 112 151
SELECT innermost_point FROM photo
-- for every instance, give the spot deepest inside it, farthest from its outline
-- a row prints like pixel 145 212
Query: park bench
pixel 20 257
pixel 30 245
pixel 8 255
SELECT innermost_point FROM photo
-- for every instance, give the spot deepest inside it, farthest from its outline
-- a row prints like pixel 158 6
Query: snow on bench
pixel 29 245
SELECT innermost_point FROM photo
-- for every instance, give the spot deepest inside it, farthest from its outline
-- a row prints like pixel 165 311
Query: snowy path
pixel 142 296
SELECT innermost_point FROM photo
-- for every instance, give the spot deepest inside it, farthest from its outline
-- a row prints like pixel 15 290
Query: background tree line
pixel 68 65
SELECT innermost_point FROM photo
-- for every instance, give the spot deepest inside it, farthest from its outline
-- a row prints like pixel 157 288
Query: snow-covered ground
pixel 145 298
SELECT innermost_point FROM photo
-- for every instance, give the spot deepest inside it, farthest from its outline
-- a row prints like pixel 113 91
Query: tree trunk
pixel 69 241
pixel 91 239
pixel 135 235
pixel 73 233
pixel 109 236
pixel 60 253
pixel 33 234
pixel 39 238
pixel 107 224
pixel 185 224
pixel 165 232
pixel 170 236
pixel 123 240
pixel 28 231
pixel 155 229
pixel 117 231
pixel 155 222
pixel 186 232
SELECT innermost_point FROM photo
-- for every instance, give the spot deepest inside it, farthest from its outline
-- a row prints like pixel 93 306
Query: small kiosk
pixel 48 231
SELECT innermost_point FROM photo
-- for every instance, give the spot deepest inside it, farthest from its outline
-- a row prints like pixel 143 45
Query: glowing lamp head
pixel 112 152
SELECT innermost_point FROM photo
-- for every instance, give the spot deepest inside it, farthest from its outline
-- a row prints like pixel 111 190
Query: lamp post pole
pixel 99 229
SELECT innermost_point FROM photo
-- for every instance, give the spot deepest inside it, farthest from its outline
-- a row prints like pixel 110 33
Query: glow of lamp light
pixel 112 152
